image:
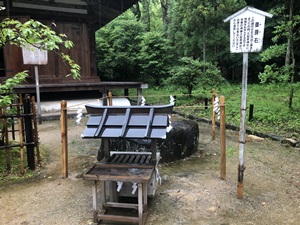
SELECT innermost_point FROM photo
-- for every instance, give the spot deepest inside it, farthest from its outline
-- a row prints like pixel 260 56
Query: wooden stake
pixel 36 133
pixel 64 139
pixel 240 185
pixel 213 120
pixel 7 148
pixel 21 138
pixel 29 133
pixel 110 98
pixel 223 137
pixel 12 127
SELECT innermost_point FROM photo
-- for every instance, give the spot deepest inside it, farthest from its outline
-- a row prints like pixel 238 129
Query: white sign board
pixel 247 33
pixel 247 30
pixel 34 56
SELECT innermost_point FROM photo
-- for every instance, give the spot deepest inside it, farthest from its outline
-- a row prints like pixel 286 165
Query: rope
pixel 76 106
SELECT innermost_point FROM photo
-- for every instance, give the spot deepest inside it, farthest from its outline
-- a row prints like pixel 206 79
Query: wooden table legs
pixel 141 206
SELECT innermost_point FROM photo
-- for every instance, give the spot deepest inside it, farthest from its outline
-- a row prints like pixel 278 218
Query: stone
pixel 289 141
pixel 251 138
pixel 181 142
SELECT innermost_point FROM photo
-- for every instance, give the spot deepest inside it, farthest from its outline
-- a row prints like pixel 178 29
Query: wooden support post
pixel 110 101
pixel 126 92
pixel 242 138
pixel 223 137
pixel 64 138
pixel 29 133
pixel 213 120
pixel 104 97
pixel 21 138
pixel 153 150
pixel 95 205
pixel 6 142
pixel 12 127
pixel 206 103
pixel 1 128
pixel 37 90
pixel 139 94
pixel 106 148
pixel 251 112
pixel 36 133
pixel 140 203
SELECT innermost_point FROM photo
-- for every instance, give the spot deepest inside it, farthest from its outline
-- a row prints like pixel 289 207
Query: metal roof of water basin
pixel 133 122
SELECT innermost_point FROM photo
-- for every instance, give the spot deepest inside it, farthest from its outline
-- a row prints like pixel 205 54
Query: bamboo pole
pixel 64 139
pixel 21 138
pixel 12 126
pixel 6 143
pixel 223 137
pixel 36 133
pixel 213 120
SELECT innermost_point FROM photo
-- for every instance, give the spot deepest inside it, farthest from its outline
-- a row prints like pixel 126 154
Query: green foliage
pixel 190 73
pixel 34 33
pixel 197 29
pixel 117 47
pixel 271 113
pixel 155 56
pixel 274 74
pixel 7 95
pixel 286 31
pixel 31 34
pixel 273 51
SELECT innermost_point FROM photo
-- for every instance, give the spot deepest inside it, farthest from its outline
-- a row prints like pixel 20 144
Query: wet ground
pixel 191 192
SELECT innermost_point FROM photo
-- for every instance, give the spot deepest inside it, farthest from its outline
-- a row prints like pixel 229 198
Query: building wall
pixel 56 70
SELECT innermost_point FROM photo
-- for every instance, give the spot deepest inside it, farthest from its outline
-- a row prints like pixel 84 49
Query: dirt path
pixel 191 191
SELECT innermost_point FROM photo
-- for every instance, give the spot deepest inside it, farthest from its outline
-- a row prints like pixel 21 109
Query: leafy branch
pixel 35 34
pixel 32 34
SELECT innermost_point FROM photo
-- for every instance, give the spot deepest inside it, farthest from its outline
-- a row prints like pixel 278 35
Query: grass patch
pixel 231 151
pixel 271 111
pixel 14 175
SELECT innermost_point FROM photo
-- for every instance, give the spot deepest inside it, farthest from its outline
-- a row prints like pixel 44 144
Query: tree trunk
pixel 137 11
pixel 165 13
pixel 146 9
pixel 290 53
pixel 190 89
pixel 204 40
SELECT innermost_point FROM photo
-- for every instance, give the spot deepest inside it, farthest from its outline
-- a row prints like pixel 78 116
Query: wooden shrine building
pixel 78 19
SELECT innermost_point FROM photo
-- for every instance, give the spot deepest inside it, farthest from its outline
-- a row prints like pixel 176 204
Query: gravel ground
pixel 191 192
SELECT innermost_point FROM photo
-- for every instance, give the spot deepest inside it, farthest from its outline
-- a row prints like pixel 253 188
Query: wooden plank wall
pixel 56 70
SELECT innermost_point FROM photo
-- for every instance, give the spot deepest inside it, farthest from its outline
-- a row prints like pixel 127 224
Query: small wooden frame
pixel 105 172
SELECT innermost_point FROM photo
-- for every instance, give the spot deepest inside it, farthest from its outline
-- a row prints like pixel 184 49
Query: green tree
pixel 148 12
pixel 282 55
pixel 190 73
pixel 117 47
pixel 155 56
pixel 35 34
pixel 197 29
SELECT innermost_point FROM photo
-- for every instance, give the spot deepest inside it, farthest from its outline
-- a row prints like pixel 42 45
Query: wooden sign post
pixel 246 35
pixel 35 56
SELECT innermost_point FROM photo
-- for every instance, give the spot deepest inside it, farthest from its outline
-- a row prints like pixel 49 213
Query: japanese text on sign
pixel 247 31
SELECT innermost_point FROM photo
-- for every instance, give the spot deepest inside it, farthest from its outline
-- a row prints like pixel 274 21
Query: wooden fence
pixel 20 120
